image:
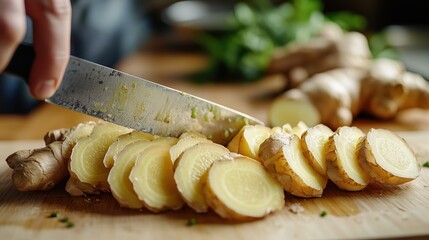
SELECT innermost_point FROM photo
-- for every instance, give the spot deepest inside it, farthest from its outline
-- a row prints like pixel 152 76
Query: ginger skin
pixel 43 168
pixel 40 169
pixel 331 48
pixel 336 97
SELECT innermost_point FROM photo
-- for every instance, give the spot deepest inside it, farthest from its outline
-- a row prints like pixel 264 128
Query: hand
pixel 51 39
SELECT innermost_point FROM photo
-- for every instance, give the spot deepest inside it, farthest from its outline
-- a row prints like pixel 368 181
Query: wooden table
pixel 376 212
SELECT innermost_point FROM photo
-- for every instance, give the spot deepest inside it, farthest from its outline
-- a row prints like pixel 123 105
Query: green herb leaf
pixel 69 225
pixel 64 220
pixel 348 21
pixel 323 213
pixel 426 164
pixel 192 222
pixel 54 215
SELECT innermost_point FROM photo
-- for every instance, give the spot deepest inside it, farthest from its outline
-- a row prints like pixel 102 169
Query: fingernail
pixel 45 89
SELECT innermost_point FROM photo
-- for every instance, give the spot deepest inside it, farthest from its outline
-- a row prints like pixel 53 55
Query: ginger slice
pixel 86 162
pixel 282 155
pixel 153 180
pixel 341 160
pixel 186 140
pixel 79 131
pixel 314 144
pixel 241 189
pixel 298 130
pixel 120 184
pixel 190 168
pixel 75 187
pixel 118 178
pixel 121 142
pixel 248 140
pixel 387 157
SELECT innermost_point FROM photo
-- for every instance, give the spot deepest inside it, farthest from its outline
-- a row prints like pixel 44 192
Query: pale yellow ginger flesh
pixel 282 155
pixel 121 142
pixel 186 140
pixel 86 161
pixel 387 158
pixel 293 110
pixel 248 140
pixel 79 131
pixel 341 161
pixel 190 168
pixel 314 144
pixel 153 180
pixel 118 178
pixel 75 187
pixel 241 189
pixel 298 129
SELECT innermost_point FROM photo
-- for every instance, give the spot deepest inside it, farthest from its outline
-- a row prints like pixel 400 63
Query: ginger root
pixel 38 169
pixel 330 98
pixel 43 168
pixel 336 97
pixel 331 48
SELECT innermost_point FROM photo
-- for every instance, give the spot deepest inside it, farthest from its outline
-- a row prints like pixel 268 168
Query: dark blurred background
pixel 106 31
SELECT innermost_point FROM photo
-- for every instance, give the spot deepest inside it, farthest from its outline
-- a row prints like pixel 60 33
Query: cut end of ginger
pixel 388 158
pixel 286 110
pixel 241 189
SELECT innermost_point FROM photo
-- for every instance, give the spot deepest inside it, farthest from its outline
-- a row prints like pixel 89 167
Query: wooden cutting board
pixel 375 212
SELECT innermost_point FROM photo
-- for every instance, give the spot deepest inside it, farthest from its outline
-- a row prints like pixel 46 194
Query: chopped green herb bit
pixel 194 112
pixel 207 117
pixel 192 222
pixel 426 164
pixel 246 121
pixel 64 220
pixel 54 215
pixel 69 225
pixel 323 213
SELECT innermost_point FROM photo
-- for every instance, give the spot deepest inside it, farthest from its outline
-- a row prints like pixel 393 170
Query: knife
pixel 134 102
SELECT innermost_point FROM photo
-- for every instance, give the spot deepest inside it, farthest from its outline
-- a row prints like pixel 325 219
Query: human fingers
pixel 51 42
pixel 12 29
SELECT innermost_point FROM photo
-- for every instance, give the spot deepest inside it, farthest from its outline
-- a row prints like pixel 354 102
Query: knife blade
pixel 133 102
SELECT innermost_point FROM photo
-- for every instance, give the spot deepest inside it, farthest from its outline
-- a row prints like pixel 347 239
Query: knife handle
pixel 22 61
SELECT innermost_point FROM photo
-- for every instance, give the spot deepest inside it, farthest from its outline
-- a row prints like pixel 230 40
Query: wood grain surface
pixel 376 212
